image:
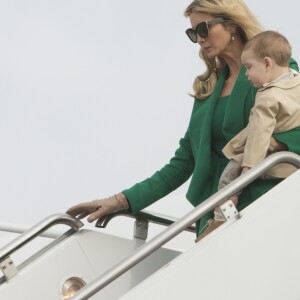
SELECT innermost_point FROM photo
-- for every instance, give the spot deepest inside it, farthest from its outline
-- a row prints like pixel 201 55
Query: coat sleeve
pixel 261 126
pixel 164 181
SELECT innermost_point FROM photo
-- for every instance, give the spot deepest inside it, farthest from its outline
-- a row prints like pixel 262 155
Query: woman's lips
pixel 206 48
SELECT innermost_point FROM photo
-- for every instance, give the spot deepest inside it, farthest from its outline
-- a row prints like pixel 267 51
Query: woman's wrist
pixel 275 145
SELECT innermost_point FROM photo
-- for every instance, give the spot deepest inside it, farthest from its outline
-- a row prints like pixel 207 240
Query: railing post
pixel 141 229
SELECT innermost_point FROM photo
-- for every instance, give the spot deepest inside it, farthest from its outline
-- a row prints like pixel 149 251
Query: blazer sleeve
pixel 164 181
pixel 290 138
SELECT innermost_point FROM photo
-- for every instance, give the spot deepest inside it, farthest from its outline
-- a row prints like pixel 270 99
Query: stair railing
pixel 180 225
pixel 6 264
pixel 144 215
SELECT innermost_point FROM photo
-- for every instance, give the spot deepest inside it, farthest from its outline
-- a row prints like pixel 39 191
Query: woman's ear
pixel 233 29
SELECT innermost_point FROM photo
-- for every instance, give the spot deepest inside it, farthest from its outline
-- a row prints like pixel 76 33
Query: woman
pixel 223 100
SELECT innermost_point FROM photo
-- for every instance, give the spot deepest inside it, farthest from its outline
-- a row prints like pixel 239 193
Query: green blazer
pixel 195 156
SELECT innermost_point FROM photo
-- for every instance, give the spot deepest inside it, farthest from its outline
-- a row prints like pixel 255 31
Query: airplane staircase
pixel 254 255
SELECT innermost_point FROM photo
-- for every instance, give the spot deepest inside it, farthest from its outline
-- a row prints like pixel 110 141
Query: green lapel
pixel 234 120
pixel 211 103
pixel 202 116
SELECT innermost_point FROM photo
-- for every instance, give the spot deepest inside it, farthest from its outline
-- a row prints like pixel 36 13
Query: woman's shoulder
pixel 293 64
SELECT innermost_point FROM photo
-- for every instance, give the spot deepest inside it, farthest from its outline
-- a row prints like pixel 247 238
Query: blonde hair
pixel 235 12
pixel 271 44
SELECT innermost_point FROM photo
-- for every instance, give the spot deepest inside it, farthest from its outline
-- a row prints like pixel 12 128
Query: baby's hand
pixel 245 169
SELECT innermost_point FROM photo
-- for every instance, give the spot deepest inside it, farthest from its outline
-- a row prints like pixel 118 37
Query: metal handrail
pixel 191 217
pixel 145 215
pixel 36 230
pixel 18 228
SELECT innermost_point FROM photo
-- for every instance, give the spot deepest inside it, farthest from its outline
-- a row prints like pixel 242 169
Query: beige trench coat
pixel 276 109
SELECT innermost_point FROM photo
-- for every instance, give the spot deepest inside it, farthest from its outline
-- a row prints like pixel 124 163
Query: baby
pixel 276 109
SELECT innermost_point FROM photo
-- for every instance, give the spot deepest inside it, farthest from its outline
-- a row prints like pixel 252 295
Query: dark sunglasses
pixel 202 29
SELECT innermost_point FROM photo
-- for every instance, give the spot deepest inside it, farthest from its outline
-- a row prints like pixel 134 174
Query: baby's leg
pixel 230 173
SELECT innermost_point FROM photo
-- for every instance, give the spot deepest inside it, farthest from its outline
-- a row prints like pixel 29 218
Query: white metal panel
pixel 44 277
pixel 107 251
pixel 256 257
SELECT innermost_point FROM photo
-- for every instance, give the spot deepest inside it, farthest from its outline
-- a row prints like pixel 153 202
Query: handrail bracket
pixel 8 268
pixel 141 229
pixel 229 211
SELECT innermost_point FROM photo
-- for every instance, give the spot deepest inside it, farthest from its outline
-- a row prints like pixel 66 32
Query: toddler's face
pixel 256 68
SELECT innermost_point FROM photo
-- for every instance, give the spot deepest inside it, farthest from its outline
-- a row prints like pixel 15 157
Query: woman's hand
pixel 276 146
pixel 98 208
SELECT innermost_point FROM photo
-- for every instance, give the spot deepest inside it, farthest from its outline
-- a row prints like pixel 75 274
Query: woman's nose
pixel 200 40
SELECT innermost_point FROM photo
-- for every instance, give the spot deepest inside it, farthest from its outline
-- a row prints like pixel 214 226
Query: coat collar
pixel 285 84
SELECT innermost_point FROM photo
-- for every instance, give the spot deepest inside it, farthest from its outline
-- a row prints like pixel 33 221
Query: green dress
pixel 198 155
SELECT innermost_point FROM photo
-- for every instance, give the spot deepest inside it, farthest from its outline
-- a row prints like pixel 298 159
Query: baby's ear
pixel 268 61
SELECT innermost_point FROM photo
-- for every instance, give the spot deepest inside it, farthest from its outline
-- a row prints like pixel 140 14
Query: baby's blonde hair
pixel 237 13
pixel 271 44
